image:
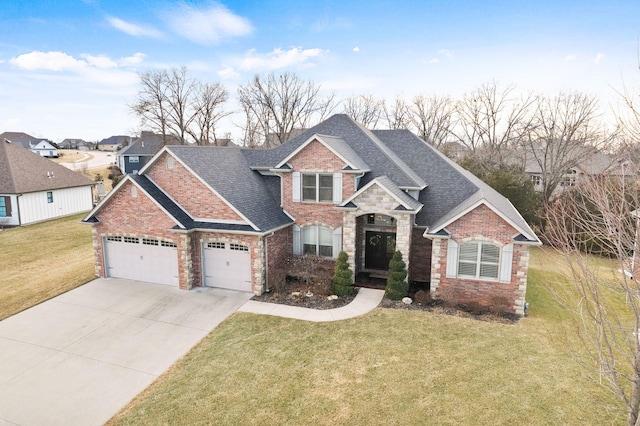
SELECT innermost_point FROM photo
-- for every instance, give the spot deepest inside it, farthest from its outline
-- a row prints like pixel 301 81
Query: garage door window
pixel 131 240
pixel 238 247
pixel 149 242
pixel 112 238
pixel 168 244
pixel 216 245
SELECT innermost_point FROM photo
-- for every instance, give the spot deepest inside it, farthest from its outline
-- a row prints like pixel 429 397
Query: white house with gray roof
pixel 226 216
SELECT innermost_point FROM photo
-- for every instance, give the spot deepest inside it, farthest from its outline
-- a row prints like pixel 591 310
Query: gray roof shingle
pixel 22 171
pixel 226 170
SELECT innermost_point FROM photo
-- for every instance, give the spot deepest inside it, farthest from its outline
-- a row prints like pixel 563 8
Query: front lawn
pixel 40 261
pixel 387 367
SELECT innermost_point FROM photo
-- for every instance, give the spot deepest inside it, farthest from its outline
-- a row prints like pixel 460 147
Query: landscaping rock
pixel 407 300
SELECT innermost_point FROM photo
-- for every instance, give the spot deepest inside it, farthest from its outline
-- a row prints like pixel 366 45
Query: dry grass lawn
pixel 389 367
pixel 40 261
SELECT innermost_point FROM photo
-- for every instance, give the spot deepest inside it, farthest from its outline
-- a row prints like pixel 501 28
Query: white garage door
pixel 142 259
pixel 227 265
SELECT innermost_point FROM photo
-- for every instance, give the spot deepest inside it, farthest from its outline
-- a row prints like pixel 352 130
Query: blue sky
pixel 68 69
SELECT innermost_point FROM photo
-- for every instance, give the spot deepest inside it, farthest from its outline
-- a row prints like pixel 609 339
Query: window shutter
pixel 297 241
pixel 452 258
pixel 337 188
pixel 7 201
pixel 296 187
pixel 337 241
pixel 505 264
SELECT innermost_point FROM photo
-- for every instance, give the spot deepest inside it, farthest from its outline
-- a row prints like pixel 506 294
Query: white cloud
pixel 599 57
pixel 434 61
pixel 227 73
pixel 206 26
pixel 50 61
pixel 100 61
pixel 135 59
pixel 94 69
pixel 278 58
pixel 571 57
pixel 356 49
pixel 133 29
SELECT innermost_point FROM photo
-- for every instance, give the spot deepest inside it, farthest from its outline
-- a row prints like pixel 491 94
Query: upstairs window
pixel 134 159
pixel 317 187
pixel 49 197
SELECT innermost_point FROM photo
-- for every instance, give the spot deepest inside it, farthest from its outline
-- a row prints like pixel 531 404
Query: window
pixel 170 163
pixel 216 245
pixel 317 187
pixel 49 197
pixel 150 242
pixel 5 206
pixel 130 240
pixel 238 247
pixel 134 159
pixel 317 240
pixel 536 180
pixel 479 260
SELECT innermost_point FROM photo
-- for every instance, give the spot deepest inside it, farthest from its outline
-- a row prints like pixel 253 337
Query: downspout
pixel 266 260
pixel 18 208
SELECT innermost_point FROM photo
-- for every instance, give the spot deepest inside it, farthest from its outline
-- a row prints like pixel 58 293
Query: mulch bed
pixel 295 294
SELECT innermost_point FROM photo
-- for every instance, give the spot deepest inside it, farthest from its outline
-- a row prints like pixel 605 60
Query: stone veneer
pixel 376 200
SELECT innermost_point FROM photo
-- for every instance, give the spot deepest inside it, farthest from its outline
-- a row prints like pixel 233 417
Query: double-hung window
pixel 49 197
pixel 480 260
pixel 317 240
pixel 134 159
pixel 317 187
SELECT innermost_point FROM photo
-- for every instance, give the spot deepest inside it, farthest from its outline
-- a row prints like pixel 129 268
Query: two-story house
pixel 225 216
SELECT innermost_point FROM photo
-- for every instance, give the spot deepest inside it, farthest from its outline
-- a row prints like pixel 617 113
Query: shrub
pixel 500 305
pixel 397 285
pixel 342 282
pixel 277 280
pixel 423 297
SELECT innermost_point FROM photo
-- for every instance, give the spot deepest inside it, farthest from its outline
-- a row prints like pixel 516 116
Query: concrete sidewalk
pixel 365 301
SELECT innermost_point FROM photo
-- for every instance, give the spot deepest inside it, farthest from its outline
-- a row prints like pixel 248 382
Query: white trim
pixel 337 241
pixel 493 209
pixel 452 259
pixel 337 188
pixel 297 240
pixel 375 181
pixel 506 258
pixel 229 222
pixel 317 137
pixel 296 188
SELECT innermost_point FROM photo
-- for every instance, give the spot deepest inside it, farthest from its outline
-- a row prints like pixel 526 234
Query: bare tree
pixel 490 121
pixel 172 103
pixel 564 132
pixel 208 101
pixel 396 115
pixel 275 105
pixel 365 109
pixel 431 118
pixel 604 302
pixel 151 105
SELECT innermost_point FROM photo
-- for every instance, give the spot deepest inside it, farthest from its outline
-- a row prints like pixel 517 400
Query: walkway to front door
pixel 379 249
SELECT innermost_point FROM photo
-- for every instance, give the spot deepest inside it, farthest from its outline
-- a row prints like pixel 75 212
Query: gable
pixel 124 213
pixel 316 157
pixel 482 222
pixel 181 185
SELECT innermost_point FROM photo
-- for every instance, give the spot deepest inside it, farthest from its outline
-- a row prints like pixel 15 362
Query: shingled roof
pixel 22 171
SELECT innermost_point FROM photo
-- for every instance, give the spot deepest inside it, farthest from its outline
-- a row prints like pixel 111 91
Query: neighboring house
pixel 33 189
pixel 86 146
pixel 226 216
pixel 113 143
pixel 42 147
pixel 133 157
pixel 71 143
pixel 584 162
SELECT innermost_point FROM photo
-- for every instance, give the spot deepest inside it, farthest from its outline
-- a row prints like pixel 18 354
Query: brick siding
pixel 188 191
pixel 420 255
pixel 481 224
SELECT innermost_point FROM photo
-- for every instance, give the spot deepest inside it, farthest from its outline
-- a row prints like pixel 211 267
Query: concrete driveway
pixel 79 358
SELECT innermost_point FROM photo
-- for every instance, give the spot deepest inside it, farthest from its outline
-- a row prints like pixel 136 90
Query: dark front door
pixel 379 249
